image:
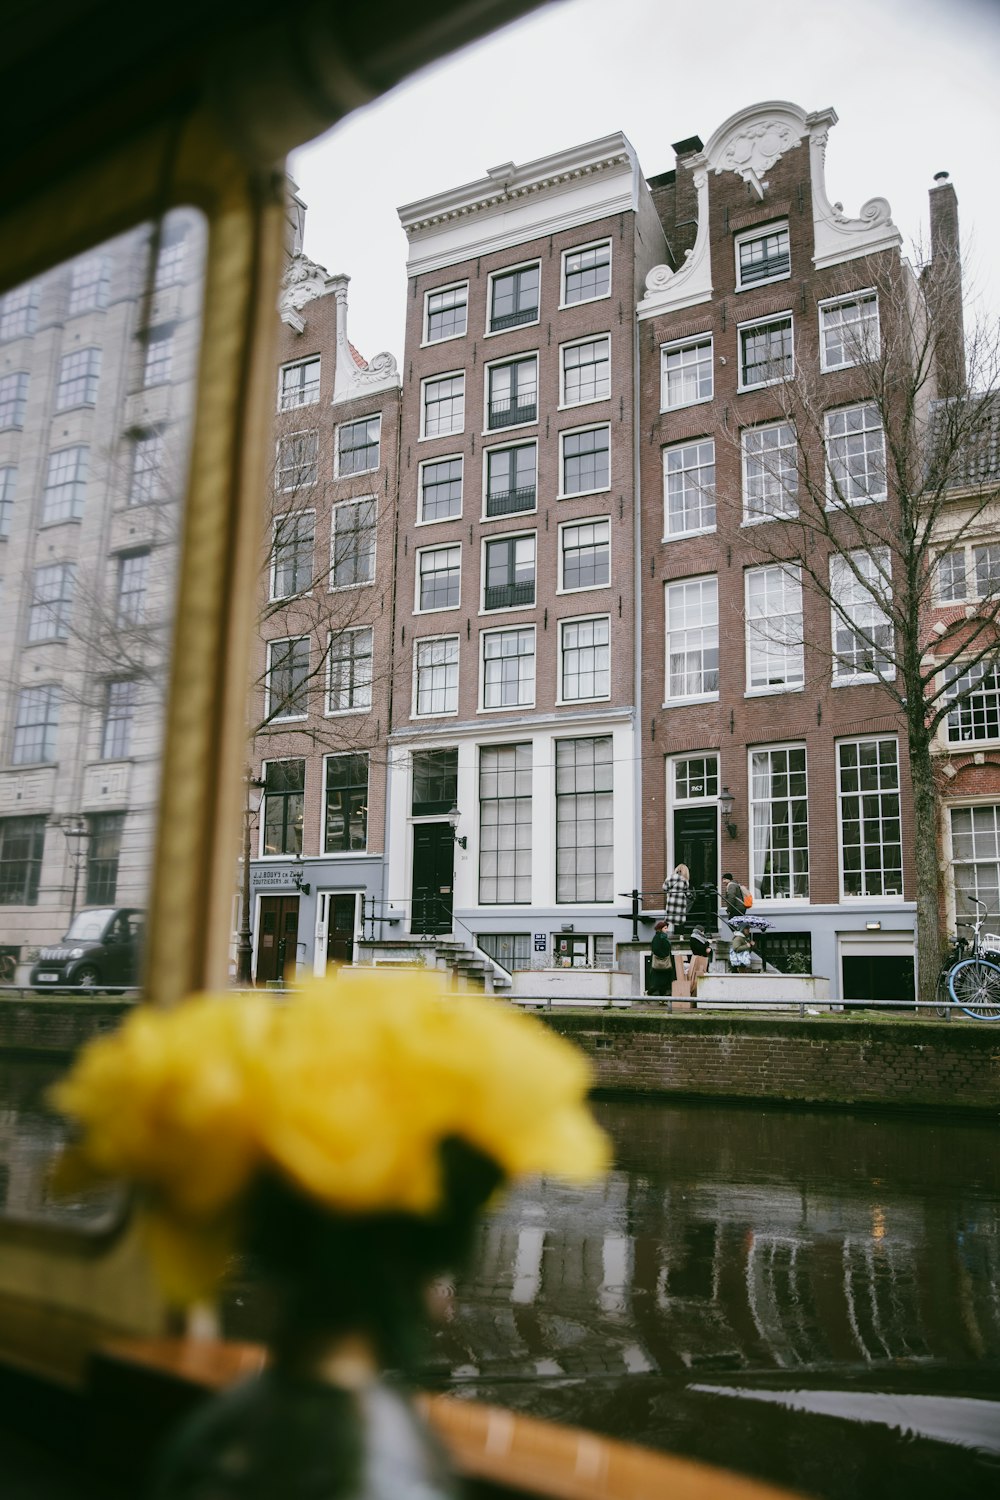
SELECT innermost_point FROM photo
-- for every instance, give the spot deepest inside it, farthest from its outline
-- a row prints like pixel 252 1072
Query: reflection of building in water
pixel 96 364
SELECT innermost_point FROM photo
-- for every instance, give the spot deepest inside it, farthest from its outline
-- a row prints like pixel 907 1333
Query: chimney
pixel 944 284
pixel 686 200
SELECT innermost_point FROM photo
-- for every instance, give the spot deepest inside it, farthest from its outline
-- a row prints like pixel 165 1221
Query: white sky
pixel 915 83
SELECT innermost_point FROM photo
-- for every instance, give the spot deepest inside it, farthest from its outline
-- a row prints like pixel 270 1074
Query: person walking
pixel 661 963
pixel 677 897
pixel 733 896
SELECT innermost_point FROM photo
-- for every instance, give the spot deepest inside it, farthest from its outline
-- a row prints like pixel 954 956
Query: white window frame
pixel 986 668
pixel 751 326
pixel 684 346
pixel 761 232
pixel 769 462
pixel 755 876
pixel 506 708
pixel 500 539
pixel 90 284
pixel 847 588
pixel 282 469
pixel 866 817
pixel 595 338
pixel 375 416
pixel 498 275
pixel 285 640
pixel 580 250
pixel 59 478
pixel 91 378
pixel 428 640
pixel 503 515
pixel 521 824
pixel 343 853
pixel 422 467
pixel 601 489
pixel 421 553
pixel 356 686
pixel 499 364
pixel 437 291
pixel 689 445
pixel 560 675
pixel 862 347
pixel 299 364
pixel 564 526
pixel 425 384
pixel 834 500
pixel 343 505
pixel 972 805
pixel 765 643
pixel 297 516
pixel 709 695
pixel 159 371
pixel 970 570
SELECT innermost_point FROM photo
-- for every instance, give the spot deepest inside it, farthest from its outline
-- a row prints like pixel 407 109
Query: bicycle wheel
pixel 975 986
pixel 942 996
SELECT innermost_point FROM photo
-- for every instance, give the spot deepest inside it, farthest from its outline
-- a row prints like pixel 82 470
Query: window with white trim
pixel 90 284
pixel 849 330
pixel 36 725
pixel 512 392
pixel 65 485
pixel 446 313
pixel 292 554
pixel 353 542
pixel 441 488
pixel 349 671
pixel 585 369
pixel 966 573
pixel 511 479
pixel 584 659
pixel 779 819
pixel 514 298
pixel 585 820
pixel 51 602
pixel 687 373
pixel 171 257
pixel 767 352
pixel 345 814
pixel 79 373
pixel 975 855
pixel 146 481
pixel 509 668
pixel 586 274
pixel 509 572
pixel 159 357
pixel 133 582
pixel 286 683
pixel 585 554
pixel 696 778
pixel 8 484
pixel 855 455
pixel 443 405
pixel 692 627
pixel 975 692
pixel 103 856
pixel 435 676
pixel 512 950
pixel 689 487
pixel 358 446
pixel 22 844
pixel 775 651
pixel 585 461
pixel 120 701
pixel 13 399
pixel 284 807
pixel 862 629
pixel 298 384
pixel 505 824
pixel 439 577
pixel 770 471
pixel 19 311
pixel 763 255
pixel 298 460
pixel 871 848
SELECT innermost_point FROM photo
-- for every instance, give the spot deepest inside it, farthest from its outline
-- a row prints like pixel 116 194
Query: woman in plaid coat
pixel 677 898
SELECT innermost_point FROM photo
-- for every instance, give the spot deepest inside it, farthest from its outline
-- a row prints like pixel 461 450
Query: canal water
pixel 809 1297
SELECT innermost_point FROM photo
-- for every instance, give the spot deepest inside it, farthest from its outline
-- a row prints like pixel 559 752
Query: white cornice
pixel 668 290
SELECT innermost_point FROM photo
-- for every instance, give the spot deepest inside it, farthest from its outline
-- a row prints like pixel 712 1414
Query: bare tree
pixel 874 476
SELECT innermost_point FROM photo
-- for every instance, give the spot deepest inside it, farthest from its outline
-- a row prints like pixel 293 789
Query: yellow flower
pixel 346 1089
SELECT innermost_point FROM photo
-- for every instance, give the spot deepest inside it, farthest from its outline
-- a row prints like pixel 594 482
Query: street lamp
pixel 454 818
pixel 726 801
pixel 244 948
pixel 76 831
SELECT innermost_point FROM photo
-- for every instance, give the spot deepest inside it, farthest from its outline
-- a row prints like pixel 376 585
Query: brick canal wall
pixel 908 1065
pixel 817 1060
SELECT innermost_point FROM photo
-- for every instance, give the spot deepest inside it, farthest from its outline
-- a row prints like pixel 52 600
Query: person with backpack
pixel 661 964
pixel 736 899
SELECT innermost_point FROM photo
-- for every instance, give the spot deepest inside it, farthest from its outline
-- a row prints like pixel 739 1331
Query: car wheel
pixel 87 977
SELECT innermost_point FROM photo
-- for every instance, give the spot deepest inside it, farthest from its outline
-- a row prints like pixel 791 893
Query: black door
pixel 277 944
pixel 696 844
pixel 878 976
pixel 340 918
pixel 433 877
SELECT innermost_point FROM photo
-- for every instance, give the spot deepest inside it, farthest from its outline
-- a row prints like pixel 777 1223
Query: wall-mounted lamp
pixel 726 801
pixel 873 926
pixel 299 883
pixel 454 818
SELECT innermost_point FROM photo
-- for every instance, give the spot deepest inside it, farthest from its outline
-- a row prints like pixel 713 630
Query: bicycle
pixel 974 982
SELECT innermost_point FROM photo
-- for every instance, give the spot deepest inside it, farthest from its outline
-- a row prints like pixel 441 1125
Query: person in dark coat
pixel 732 896
pixel 661 968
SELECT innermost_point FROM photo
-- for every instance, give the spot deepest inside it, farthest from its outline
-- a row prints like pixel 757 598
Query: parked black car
pixel 103 947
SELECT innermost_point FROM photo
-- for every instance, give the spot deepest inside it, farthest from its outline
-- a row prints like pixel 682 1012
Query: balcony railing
pixel 513 319
pixel 509 595
pixel 508 413
pixel 506 502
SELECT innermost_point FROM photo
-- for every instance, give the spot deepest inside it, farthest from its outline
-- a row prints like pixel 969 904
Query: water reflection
pixel 30 1140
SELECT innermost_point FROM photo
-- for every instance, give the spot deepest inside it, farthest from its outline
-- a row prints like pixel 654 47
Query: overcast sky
pixel 915 84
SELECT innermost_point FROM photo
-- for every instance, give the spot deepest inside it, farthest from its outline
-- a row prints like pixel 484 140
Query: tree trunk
pixel 925 840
